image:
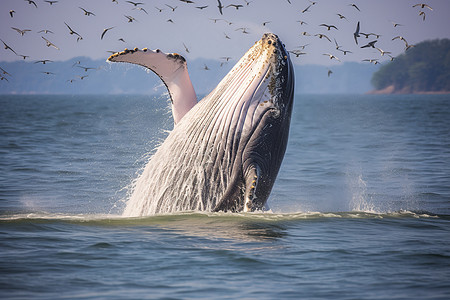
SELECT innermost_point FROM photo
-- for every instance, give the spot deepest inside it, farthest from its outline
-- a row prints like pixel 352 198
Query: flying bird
pixel 86 68
pixel 370 44
pixel 342 17
pixel 422 13
pixel 45 31
pixel 306 9
pixel 72 32
pixel 11 13
pixel 130 19
pixel 372 61
pixel 43 61
pixel 331 56
pixel 50 44
pixel 382 52
pixel 135 3
pixel 220 6
pixel 186 48
pixel 422 5
pixel 171 7
pixel 297 53
pixel 8 47
pixel 237 6
pixel 354 5
pixel 31 2
pixel 320 35
pixel 356 34
pixel 345 51
pixel 141 9
pixel 22 32
pixel 87 13
pixel 51 2
pixel 104 32
pixel 328 26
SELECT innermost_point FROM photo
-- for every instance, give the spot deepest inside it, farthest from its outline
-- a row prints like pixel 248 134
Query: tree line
pixel 423 68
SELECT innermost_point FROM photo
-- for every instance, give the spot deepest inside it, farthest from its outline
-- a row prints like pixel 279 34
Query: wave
pixel 216 216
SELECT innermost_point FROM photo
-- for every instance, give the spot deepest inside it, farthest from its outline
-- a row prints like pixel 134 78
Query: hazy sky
pixel 206 37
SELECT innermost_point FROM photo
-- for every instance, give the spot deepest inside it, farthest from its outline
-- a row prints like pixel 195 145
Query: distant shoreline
pixel 392 90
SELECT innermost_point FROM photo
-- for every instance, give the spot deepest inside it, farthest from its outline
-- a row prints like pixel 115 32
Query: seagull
pixel 407 46
pixel 372 61
pixel 370 44
pixel 226 36
pixel 22 32
pixel 345 51
pixel 171 7
pixel 45 31
pixel 141 9
pixel 320 35
pixel 305 33
pixel 206 68
pixel 201 7
pixel 297 53
pixel 329 72
pixel 104 31
pixel 382 52
pixel 31 2
pixel 265 23
pixel 51 2
pixel 11 13
pixel 135 3
pixel 71 31
pixel 302 22
pixel 186 48
pixel 87 13
pixel 220 6
pixel 356 33
pixel 24 56
pixel 337 45
pixel 130 19
pixel 422 13
pixel 86 68
pixel 82 77
pixel 4 72
pixel 187 1
pixel 342 17
pixel 43 61
pixel 48 73
pixel 422 5
pixel 328 26
pixel 396 24
pixel 50 43
pixel 237 6
pixel 331 56
pixel 8 47
pixel 354 5
pixel 121 40
pixel 306 9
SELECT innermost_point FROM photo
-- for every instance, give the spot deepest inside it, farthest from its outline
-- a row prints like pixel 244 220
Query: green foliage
pixel 423 68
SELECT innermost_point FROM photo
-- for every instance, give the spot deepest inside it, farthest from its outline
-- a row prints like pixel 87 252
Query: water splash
pixel 360 200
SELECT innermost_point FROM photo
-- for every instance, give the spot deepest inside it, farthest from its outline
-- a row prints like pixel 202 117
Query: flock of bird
pixel 218 9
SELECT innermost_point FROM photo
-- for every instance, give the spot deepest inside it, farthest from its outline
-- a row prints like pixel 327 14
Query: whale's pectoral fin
pixel 172 70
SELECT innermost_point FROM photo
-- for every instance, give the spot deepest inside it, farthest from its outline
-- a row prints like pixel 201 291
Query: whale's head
pixel 259 93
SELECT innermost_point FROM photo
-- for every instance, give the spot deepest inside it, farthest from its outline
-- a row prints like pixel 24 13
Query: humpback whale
pixel 224 151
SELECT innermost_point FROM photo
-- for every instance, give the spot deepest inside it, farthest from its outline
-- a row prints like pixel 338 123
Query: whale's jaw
pixel 225 153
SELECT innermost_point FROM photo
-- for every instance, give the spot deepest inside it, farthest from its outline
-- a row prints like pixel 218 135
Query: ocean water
pixel 360 209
